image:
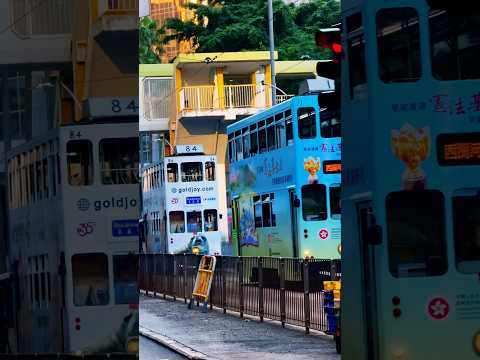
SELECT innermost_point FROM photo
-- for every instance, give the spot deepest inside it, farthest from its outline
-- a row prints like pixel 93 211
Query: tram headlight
pixel 476 343
pixel 132 346
pixel 195 250
pixel 306 254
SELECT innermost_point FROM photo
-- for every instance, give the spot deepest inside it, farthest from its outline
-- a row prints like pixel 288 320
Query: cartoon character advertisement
pixel 412 146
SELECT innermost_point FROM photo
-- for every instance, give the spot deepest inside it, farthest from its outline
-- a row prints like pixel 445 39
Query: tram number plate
pixel 458 149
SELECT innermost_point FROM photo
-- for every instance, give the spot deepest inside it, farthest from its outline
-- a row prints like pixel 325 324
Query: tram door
pixel 293 217
pixel 366 223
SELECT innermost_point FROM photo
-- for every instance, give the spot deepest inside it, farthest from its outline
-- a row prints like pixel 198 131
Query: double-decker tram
pixel 411 189
pixel 182 209
pixel 284 179
pixel 73 223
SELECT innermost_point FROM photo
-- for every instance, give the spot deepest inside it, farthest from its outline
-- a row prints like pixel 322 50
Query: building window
pixel 90 279
pixel 172 172
pixel 314 204
pixel 194 221
pixel 210 220
pixel 79 163
pixel 416 233
pixel 398 42
pixel 192 171
pixel 210 171
pixel 454 42
pixel 125 269
pixel 119 160
pixel 177 222
pixel 466 231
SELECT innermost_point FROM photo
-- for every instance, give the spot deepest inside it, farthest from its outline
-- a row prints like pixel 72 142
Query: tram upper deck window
pixel 210 171
pixel 455 44
pixel 79 163
pixel 125 279
pixel 466 229
pixel 356 55
pixel 246 143
pixel 119 160
pixel 330 125
pixel 90 279
pixel 307 126
pixel 172 172
pixel 177 222
pixel 253 140
pixel 416 233
pixel 398 41
pixel 314 203
pixel 289 127
pixel 262 137
pixel 192 171
pixel 281 138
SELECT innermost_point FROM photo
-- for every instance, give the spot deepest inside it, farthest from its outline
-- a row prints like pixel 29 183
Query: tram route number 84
pixel 118 107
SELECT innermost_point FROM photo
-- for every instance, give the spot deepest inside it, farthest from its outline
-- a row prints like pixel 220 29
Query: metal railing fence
pixel 284 289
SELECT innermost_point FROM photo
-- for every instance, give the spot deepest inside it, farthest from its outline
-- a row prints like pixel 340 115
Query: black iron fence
pixel 283 289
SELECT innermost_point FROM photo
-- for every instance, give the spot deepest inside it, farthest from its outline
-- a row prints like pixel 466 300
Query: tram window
pixel 466 229
pixel 210 171
pixel 238 147
pixel 172 172
pixel 267 215
pixel 330 125
pixel 210 220
pixel 335 209
pixel 125 278
pixel 192 171
pixel 262 140
pixel 119 160
pixel 90 279
pixel 230 150
pixel 280 133
pixel 271 138
pixel 194 221
pixel 398 40
pixel 257 211
pixel 314 204
pixel 455 43
pixel 253 142
pixel 307 126
pixel 289 131
pixel 79 163
pixel 246 143
pixel 356 55
pixel 177 222
pixel 416 233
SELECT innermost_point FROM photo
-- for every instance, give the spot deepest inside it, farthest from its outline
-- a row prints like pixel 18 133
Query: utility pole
pixel 272 51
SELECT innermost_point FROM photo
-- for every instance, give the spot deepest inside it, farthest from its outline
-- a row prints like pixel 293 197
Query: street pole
pixel 272 51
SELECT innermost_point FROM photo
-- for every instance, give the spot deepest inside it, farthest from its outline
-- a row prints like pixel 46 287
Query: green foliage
pixel 150 41
pixel 239 25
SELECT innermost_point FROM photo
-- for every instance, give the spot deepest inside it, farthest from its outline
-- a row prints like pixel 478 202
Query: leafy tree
pixel 150 41
pixel 239 25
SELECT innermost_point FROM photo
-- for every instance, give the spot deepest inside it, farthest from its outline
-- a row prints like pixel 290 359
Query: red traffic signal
pixel 329 39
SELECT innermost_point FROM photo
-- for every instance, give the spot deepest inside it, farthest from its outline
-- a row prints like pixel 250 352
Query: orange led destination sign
pixel 332 167
pixel 458 149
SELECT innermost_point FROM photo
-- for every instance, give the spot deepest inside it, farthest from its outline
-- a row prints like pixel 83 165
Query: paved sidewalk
pixel 220 336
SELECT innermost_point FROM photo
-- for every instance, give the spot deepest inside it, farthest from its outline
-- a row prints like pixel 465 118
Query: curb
pixel 173 345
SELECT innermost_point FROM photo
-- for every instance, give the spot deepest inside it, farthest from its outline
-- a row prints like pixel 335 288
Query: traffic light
pixel 330 39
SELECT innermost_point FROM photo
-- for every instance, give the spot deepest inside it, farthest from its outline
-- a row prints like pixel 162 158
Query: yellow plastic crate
pixel 332 285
